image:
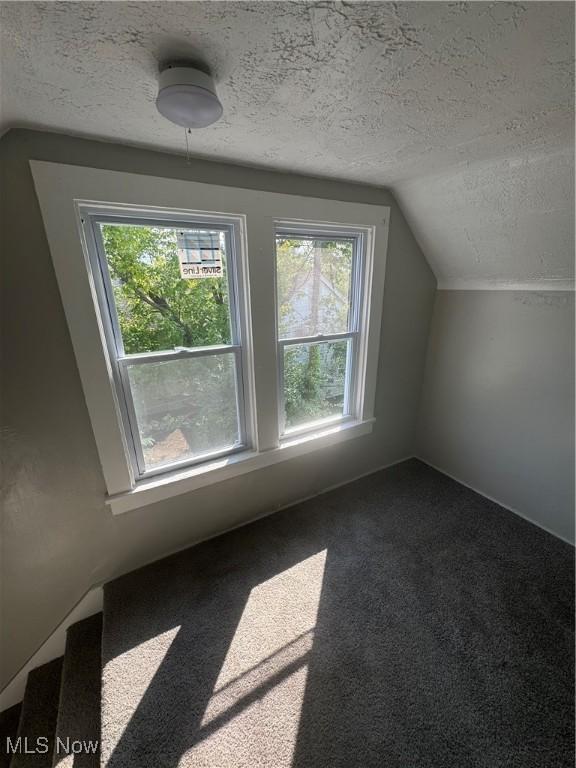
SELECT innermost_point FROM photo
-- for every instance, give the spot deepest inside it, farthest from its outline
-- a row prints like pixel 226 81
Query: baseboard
pixel 262 515
pixel 92 601
pixel 496 501
pixel 345 482
pixel 51 648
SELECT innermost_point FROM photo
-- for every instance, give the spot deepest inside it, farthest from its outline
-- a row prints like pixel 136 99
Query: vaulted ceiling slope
pixel 466 110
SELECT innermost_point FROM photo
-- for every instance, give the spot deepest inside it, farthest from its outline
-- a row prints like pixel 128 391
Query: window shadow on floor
pixel 400 621
pixel 190 643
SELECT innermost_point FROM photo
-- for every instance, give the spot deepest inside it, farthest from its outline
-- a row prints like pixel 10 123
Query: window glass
pixel 184 408
pixel 314 280
pixel 170 286
pixel 167 291
pixel 316 299
pixel 314 381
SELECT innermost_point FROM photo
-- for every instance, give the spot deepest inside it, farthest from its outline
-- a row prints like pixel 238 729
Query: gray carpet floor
pixel 38 716
pixel 79 709
pixel 9 720
pixel 401 621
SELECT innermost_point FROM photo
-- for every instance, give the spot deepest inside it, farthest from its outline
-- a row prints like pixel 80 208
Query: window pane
pixel 314 381
pixel 163 298
pixel 185 408
pixel 314 284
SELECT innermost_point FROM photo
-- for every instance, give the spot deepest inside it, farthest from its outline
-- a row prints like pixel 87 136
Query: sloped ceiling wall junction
pixel 465 110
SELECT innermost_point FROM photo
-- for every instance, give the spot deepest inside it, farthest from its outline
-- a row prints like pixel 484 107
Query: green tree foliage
pixel 157 309
pixel 314 284
pixel 194 397
pixel 314 381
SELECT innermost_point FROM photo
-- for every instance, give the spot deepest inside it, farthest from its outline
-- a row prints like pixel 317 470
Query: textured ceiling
pixel 460 108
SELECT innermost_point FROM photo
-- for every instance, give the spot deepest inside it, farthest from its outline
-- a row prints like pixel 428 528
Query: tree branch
pixel 160 305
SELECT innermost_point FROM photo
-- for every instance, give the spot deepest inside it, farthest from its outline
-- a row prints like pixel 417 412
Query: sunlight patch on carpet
pixel 254 711
pixel 144 661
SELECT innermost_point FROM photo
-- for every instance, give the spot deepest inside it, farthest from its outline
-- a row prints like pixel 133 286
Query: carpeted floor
pixel 79 709
pixel 9 720
pixel 399 622
pixel 38 717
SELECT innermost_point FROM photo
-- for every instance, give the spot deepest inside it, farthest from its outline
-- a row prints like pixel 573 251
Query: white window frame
pixel 357 332
pixel 91 216
pixel 65 191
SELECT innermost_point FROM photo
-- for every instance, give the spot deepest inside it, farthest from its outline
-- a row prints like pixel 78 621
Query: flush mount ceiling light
pixel 187 97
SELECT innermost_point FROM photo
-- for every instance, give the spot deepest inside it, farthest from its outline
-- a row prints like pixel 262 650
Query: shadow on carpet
pixel 399 621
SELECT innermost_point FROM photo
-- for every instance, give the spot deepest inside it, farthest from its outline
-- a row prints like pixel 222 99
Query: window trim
pixel 60 187
pixel 175 483
pixel 91 217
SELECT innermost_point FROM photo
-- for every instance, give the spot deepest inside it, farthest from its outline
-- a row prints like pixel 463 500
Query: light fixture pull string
pixel 188 158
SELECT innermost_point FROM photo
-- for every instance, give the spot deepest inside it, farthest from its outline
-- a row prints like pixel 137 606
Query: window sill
pixel 175 483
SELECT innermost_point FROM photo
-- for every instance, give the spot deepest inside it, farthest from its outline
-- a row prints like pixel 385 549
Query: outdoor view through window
pixel 170 293
pixel 175 333
pixel 316 326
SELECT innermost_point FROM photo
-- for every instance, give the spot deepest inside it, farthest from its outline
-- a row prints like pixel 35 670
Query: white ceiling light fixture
pixel 187 97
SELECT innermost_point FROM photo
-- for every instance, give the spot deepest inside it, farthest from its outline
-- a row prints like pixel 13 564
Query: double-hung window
pixel 169 299
pixel 319 287
pixel 217 330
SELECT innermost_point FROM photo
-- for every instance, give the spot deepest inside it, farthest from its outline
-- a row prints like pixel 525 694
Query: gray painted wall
pixel 58 536
pixel 497 408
